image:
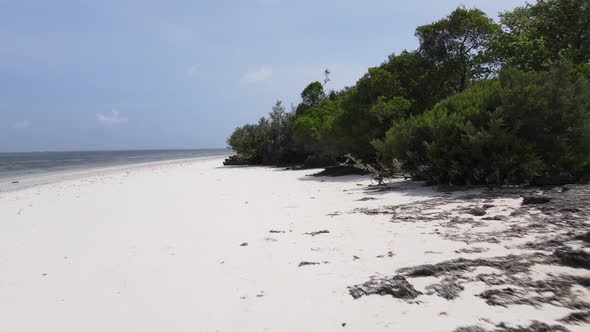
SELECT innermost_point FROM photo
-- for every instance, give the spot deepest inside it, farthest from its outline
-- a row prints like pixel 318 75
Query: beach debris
pixel 577 317
pixel 536 326
pixel 261 294
pixel 511 264
pixel 584 237
pixel 354 258
pixel 244 244
pixel 473 250
pixel 396 286
pixel 340 170
pixel 318 232
pixel 308 263
pixel 275 231
pixel 449 288
pixel 529 200
pixel 477 211
pixel 364 199
pixel 574 258
pixel 390 254
pixel 343 324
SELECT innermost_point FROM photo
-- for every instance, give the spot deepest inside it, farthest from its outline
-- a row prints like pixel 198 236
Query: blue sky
pixel 130 74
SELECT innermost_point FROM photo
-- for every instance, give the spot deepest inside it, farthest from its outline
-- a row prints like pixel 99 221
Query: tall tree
pixel 313 94
pixel 533 36
pixel 459 44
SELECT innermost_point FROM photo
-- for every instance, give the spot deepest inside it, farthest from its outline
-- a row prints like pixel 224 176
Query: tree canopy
pixel 477 102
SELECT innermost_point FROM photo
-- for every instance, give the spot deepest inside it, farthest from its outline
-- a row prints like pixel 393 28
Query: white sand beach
pixel 162 247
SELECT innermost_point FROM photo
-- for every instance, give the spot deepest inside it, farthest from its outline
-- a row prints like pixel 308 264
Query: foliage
pixel 311 96
pixel 269 141
pixel 458 44
pixel 522 125
pixel 534 36
pixel 478 102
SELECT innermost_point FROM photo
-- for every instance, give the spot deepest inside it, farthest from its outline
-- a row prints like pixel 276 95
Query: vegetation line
pixel 477 102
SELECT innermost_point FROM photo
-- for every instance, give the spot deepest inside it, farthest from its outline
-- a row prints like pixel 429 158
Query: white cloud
pixel 21 124
pixel 257 75
pixel 192 70
pixel 110 119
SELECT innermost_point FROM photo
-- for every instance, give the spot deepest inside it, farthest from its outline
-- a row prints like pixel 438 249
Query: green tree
pixel 459 44
pixel 311 96
pixel 534 36
pixel 511 129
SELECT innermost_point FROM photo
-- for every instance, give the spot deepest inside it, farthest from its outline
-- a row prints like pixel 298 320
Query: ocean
pixel 22 165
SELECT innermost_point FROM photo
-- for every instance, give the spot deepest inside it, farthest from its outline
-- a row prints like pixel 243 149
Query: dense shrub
pixel 267 142
pixel 521 125
pixel 477 102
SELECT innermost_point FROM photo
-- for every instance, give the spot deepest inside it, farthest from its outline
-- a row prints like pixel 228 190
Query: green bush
pixel 506 130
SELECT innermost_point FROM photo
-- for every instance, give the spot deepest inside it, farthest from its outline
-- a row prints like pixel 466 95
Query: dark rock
pixel 477 211
pixel 275 231
pixel 318 233
pixel 364 199
pixel 473 250
pixel 498 217
pixel 584 237
pixel 308 263
pixel 244 244
pixel 528 200
pixel 573 258
pixel 14 182
pixel 582 281
pixel 396 286
pixel 341 170
pixel 237 160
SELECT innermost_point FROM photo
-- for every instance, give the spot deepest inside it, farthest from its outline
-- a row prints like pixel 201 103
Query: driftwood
pixel 380 172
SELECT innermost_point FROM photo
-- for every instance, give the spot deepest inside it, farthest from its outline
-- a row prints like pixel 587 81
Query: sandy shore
pixel 195 246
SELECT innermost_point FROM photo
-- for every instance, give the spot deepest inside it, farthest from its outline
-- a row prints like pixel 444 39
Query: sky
pixel 180 74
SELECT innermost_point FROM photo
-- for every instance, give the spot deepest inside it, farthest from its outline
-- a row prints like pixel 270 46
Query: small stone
pixel 318 233
pixel 244 244
pixel 308 263
pixel 535 200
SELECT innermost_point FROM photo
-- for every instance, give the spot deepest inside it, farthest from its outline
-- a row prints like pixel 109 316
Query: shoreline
pixel 193 245
pixel 32 180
